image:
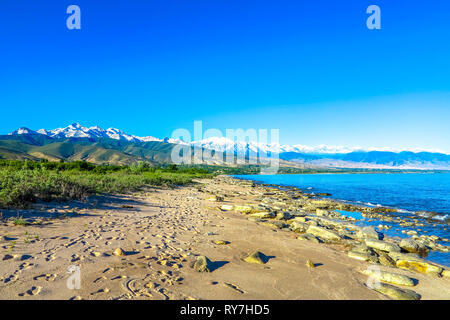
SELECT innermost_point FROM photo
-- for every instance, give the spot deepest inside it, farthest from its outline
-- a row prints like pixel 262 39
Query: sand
pixel 161 231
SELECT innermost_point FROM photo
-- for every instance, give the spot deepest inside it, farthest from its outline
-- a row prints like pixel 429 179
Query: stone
pixel 422 267
pixel 215 199
pixel 256 257
pixel 283 215
pixel 412 246
pixel 243 209
pixel 298 227
pixel 312 223
pixel 396 293
pixel 255 219
pixel 362 256
pixel 409 245
pixel 321 212
pixel 323 233
pixel 385 260
pixel 221 242
pixel 382 245
pixel 445 274
pixel 263 215
pixel 299 219
pixel 320 204
pixel 414 263
pixel 308 237
pixel 202 264
pixel 368 233
pixel 389 277
pixel 361 248
pixel 275 224
pixel 226 207
pixel 118 252
pixel 310 264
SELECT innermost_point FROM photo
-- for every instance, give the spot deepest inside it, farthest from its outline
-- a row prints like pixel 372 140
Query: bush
pixel 25 182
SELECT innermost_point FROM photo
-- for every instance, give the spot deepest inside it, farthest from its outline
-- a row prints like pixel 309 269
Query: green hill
pixel 103 151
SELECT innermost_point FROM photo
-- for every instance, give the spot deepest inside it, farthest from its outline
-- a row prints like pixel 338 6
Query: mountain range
pixel 76 142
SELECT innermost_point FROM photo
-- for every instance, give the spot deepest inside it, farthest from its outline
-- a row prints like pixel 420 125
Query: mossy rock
pixel 202 264
pixel 257 257
pixel 396 293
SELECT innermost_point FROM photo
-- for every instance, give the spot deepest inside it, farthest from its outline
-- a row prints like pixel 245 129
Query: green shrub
pixel 25 182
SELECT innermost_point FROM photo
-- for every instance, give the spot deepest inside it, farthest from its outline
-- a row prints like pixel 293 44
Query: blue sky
pixel 309 68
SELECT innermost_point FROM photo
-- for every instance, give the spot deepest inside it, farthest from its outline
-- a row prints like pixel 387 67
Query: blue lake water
pixel 410 192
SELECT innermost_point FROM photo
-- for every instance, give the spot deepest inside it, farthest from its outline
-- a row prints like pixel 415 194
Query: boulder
pixel 389 277
pixel 368 233
pixel 215 199
pixel 308 237
pixel 323 233
pixel 322 212
pixel 226 207
pixel 382 245
pixel 299 219
pixel 320 204
pixel 221 242
pixel 396 293
pixel 275 224
pixel 263 215
pixel 298 227
pixel 385 260
pixel 362 248
pixel 243 209
pixel 445 274
pixel 202 264
pixel 414 263
pixel 283 215
pixel 256 257
pixel 413 246
pixel 310 264
pixel 362 256
pixel 298 213
pixel 118 252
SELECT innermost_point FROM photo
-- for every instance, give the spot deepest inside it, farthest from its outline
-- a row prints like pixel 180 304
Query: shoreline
pixel 351 202
pixel 162 232
pixel 360 207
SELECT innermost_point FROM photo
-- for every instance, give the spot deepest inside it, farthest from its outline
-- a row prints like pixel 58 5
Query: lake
pixel 409 192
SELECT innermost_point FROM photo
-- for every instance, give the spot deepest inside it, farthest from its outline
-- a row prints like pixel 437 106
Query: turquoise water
pixel 410 192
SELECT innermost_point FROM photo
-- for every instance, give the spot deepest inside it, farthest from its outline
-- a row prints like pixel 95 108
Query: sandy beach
pixel 144 245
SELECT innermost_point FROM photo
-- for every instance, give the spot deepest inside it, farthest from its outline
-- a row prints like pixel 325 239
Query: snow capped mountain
pixel 223 144
pixel 23 130
pixel 76 130
pixel 322 155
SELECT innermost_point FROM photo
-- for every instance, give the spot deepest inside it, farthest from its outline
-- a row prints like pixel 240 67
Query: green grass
pixel 20 222
pixel 25 182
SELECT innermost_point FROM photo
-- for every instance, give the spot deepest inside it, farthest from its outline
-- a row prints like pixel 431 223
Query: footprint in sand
pixel 105 290
pixel 46 277
pixel 50 257
pixel 11 278
pixel 31 292
pixel 99 279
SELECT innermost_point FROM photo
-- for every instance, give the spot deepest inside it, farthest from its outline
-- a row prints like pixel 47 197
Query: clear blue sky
pixel 310 68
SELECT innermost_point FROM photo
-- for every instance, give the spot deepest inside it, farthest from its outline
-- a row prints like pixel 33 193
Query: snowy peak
pixel 23 130
pixel 76 130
